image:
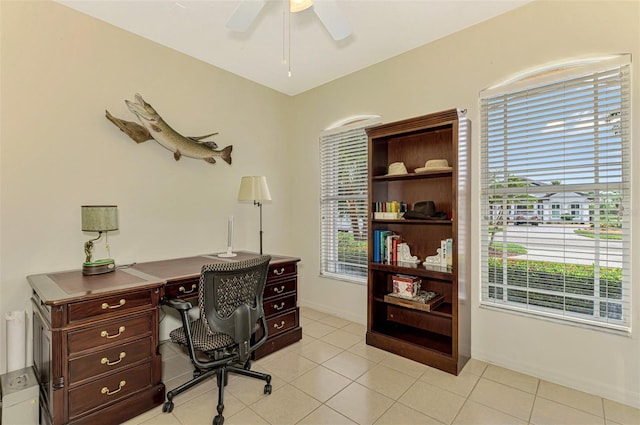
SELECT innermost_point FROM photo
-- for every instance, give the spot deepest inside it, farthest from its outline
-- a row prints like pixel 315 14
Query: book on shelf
pixel 386 215
pixel 392 206
pixel 385 246
pixel 391 248
pixel 379 241
pixel 446 252
pixel 392 210
pixel 376 246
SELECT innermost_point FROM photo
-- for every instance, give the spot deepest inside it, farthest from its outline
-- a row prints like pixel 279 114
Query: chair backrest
pixel 230 298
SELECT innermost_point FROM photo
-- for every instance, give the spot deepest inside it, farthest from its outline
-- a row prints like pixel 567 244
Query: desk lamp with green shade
pixel 98 218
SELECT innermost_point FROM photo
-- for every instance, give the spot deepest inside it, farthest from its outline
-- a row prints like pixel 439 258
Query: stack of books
pixel 388 210
pixel 385 246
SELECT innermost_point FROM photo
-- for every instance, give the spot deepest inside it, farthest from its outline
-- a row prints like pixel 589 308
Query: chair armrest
pixel 177 303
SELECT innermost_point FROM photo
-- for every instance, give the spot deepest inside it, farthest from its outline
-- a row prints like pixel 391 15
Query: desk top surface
pixel 190 267
pixel 63 287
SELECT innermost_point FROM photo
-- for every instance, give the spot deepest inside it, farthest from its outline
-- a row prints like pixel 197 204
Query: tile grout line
pixel 468 395
pixel 535 399
pixel 378 361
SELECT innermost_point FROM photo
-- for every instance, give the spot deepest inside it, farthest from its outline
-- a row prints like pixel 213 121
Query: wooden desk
pixel 96 338
pixel 280 294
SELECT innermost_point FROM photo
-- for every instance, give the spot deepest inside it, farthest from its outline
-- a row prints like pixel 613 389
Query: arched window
pixel 343 198
pixel 555 199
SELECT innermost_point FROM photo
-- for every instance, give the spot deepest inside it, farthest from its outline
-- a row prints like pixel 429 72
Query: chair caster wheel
pixel 267 389
pixel 218 420
pixel 167 407
pixel 196 373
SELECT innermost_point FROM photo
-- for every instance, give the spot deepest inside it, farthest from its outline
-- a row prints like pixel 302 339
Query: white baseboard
pixel 580 383
pixel 334 312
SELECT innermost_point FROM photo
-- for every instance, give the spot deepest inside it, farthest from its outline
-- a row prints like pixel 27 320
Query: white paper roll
pixel 16 340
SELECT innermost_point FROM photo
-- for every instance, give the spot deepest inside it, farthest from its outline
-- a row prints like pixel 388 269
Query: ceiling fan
pixel 327 11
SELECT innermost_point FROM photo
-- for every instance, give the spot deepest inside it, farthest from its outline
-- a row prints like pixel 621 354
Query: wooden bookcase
pixel 440 337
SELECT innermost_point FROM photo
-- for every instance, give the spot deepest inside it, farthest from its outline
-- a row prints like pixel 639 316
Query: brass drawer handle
pixel 184 291
pixel 120 304
pixel 106 391
pixel 275 325
pixel 279 307
pixel 277 291
pixel 105 334
pixel 279 272
pixel 110 363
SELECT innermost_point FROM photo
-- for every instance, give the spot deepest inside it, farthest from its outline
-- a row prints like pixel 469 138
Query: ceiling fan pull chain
pixel 289 44
pixel 284 30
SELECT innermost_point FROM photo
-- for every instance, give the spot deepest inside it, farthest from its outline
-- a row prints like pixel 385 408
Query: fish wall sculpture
pixel 154 127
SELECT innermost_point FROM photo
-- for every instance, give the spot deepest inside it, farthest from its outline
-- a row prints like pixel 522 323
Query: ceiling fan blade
pixel 245 14
pixel 332 18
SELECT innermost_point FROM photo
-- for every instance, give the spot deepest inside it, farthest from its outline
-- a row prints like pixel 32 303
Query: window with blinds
pixel 343 199
pixel 555 194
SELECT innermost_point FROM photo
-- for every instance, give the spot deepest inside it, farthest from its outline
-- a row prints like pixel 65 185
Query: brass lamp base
pixel 98 267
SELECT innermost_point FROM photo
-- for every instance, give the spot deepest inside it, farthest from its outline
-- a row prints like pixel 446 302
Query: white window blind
pixel 555 199
pixel 343 193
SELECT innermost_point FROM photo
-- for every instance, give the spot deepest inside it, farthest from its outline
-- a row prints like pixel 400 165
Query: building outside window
pixel 575 210
pixel 343 192
pixel 555 151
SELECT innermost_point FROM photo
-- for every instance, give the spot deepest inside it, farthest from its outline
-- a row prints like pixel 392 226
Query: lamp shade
pixel 254 188
pixel 99 218
pixel 299 5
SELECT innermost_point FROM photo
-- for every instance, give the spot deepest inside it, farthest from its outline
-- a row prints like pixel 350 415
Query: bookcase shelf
pixel 443 309
pixel 413 176
pixel 440 337
pixel 418 344
pixel 434 272
pixel 411 221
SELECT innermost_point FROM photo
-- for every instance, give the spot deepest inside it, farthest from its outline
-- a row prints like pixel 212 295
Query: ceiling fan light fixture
pixel 299 5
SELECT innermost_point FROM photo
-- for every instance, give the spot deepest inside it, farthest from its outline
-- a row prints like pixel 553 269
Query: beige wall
pixel 450 73
pixel 60 70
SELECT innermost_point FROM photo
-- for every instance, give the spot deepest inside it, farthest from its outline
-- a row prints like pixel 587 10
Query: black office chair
pixel 230 300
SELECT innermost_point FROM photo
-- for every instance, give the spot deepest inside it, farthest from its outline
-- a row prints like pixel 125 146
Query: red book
pixel 396 241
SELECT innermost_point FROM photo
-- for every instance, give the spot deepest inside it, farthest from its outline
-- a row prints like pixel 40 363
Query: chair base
pixel 222 375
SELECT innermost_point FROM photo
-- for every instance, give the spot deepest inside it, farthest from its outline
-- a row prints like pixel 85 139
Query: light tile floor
pixel 332 377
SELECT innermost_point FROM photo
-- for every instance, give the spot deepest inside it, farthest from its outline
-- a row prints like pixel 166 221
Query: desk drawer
pixel 116 303
pixel 279 305
pixel 109 390
pixel 278 271
pixel 110 360
pixel 185 289
pixel 110 332
pixel 280 288
pixel 282 323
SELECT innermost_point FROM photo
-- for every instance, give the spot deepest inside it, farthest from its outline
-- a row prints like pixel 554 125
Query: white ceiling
pixel 381 29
